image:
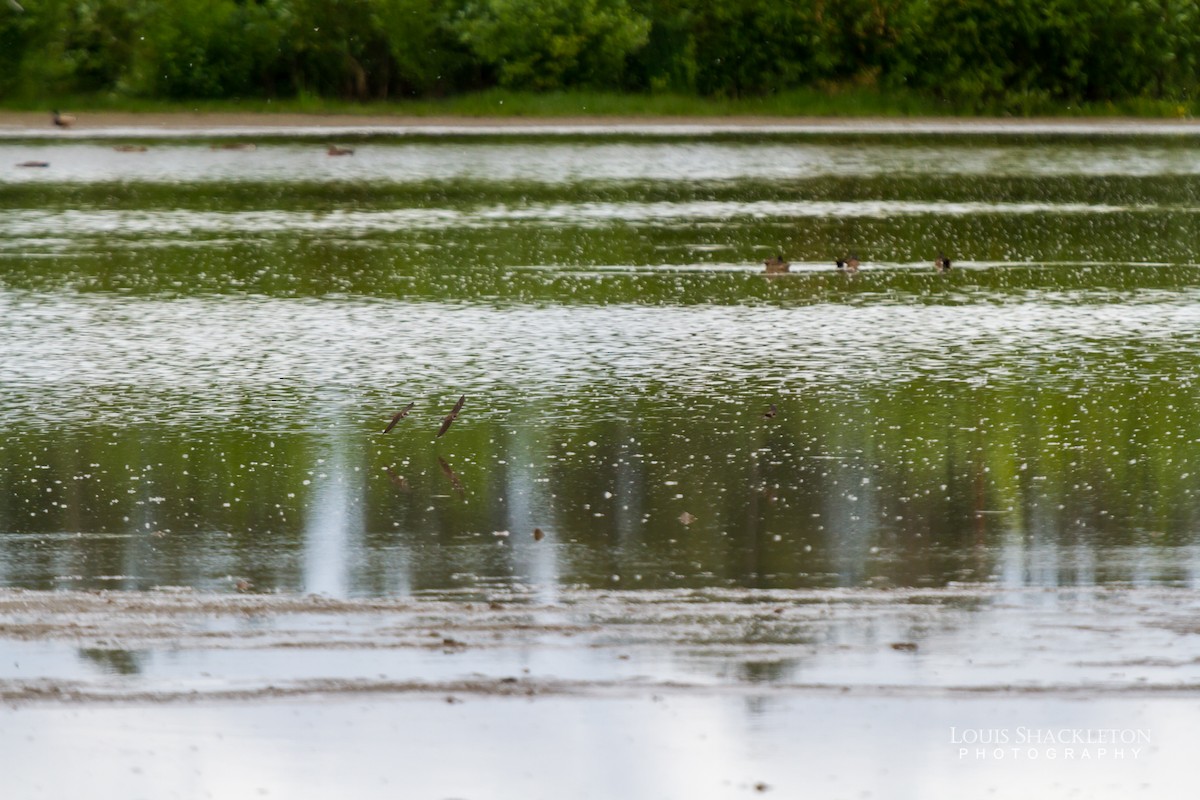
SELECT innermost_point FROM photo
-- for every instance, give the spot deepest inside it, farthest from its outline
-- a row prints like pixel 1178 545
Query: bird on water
pixel 776 265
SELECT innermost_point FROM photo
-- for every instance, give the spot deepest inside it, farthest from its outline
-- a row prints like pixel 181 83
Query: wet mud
pixel 978 640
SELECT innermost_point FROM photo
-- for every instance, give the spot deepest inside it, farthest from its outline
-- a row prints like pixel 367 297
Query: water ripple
pixel 213 354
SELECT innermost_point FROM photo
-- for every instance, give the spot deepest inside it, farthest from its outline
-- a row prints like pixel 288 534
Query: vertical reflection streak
pixel 334 530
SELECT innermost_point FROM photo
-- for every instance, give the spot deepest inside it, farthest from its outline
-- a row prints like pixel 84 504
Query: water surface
pixel 202 346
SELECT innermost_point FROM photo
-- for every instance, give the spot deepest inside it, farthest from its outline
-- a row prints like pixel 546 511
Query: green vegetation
pixel 541 57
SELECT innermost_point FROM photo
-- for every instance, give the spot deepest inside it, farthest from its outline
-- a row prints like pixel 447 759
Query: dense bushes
pixel 984 54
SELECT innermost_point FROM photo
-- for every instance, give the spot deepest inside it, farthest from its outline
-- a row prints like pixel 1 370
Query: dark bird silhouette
pixel 776 265
pixel 942 264
pixel 334 150
pixel 34 164
pixel 399 415
pixel 770 412
pixel 62 120
pixel 453 415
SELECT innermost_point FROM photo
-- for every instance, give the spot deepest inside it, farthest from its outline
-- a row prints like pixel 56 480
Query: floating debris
pixel 906 647
pixel 334 150
pixel 686 518
pixel 34 164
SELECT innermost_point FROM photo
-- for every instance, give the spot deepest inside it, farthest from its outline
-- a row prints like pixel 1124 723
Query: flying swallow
pixel 770 412
pixel 453 415
pixel 401 414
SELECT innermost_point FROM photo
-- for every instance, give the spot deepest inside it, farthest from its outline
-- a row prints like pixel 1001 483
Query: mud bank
pixel 968 691
pixel 150 125
pixel 173 645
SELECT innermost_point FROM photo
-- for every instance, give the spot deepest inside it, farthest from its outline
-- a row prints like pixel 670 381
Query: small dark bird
pixel 453 415
pixel 34 164
pixel 770 412
pixel 538 535
pixel 942 264
pixel 399 415
pixel 776 265
pixel 62 120
pixel 334 150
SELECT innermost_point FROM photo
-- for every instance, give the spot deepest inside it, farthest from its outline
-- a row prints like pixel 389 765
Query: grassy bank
pixel 834 102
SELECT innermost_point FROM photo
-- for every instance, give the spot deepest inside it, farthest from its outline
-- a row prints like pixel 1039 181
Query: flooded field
pixel 673 476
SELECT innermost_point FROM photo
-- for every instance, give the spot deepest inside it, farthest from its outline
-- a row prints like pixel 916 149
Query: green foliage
pixel 1021 55
pixel 1010 56
pixel 550 44
pixel 204 48
pixel 424 44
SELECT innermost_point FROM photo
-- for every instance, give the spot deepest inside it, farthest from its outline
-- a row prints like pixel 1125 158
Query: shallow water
pixel 975 506
pixel 201 348
pixel 669 746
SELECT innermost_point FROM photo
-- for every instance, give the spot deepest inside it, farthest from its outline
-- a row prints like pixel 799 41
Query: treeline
pixel 974 54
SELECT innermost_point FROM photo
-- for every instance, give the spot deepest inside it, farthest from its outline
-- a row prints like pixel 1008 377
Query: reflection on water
pixel 548 161
pixel 194 376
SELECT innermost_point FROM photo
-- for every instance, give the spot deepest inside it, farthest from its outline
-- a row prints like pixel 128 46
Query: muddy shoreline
pixel 179 645
pixel 102 122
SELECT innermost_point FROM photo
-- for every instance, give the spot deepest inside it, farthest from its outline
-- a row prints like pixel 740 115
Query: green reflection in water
pixel 913 485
